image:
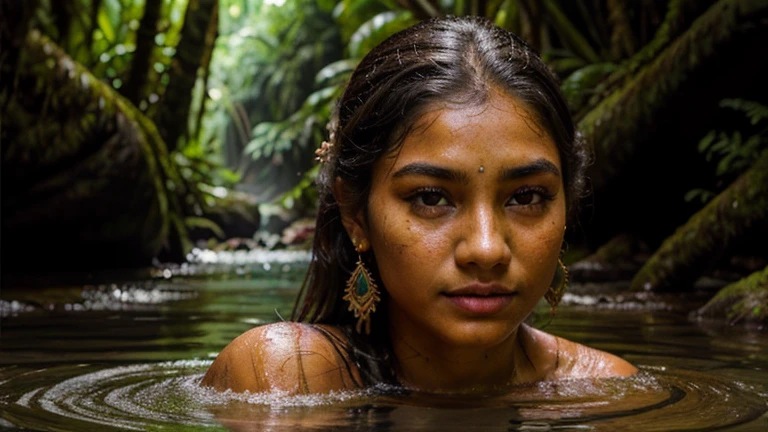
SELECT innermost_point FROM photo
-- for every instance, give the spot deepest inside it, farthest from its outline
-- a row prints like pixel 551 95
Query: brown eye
pixel 525 198
pixel 431 198
pixel 529 197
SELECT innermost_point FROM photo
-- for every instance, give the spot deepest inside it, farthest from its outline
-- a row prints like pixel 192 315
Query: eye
pixel 431 198
pixel 525 198
pixel 430 202
pixel 529 197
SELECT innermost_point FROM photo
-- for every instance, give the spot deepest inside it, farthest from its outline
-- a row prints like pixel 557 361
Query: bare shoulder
pixel 574 360
pixel 579 361
pixel 287 356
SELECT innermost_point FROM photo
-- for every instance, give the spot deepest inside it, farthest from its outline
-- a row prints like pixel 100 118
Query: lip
pixel 481 299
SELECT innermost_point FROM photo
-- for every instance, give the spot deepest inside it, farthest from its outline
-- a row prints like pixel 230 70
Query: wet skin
pixel 465 253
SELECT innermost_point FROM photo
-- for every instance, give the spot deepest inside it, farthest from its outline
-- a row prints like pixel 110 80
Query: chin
pixel 478 335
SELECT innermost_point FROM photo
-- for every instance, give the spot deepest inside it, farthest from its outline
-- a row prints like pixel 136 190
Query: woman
pixel 444 189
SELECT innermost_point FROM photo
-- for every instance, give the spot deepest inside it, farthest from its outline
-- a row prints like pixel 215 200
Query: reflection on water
pixel 130 356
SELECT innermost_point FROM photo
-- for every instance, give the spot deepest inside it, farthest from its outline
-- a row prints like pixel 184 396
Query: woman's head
pixel 395 92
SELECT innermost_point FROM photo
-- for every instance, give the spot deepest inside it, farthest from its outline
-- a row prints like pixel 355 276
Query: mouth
pixel 480 290
pixel 481 299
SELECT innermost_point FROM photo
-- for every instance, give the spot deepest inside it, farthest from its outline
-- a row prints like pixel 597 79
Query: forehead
pixel 500 131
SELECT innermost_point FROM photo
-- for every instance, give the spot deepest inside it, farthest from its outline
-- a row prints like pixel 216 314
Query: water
pixel 129 356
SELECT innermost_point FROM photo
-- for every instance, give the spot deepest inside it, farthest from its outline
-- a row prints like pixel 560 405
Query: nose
pixel 484 242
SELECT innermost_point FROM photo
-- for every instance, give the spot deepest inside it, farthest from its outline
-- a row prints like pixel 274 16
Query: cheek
pixel 541 249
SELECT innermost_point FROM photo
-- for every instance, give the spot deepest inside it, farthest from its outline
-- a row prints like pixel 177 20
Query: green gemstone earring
pixel 361 293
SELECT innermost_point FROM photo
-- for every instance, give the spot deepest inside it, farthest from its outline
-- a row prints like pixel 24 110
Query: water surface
pixel 129 356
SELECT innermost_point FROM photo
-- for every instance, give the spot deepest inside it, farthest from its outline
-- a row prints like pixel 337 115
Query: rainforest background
pixel 133 131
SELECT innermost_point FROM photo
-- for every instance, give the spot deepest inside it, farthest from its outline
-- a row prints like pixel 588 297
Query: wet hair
pixel 449 60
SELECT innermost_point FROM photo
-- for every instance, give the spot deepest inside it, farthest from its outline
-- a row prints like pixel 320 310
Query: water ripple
pixel 167 396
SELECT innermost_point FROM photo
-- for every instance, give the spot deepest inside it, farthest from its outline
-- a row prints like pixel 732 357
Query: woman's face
pixel 466 223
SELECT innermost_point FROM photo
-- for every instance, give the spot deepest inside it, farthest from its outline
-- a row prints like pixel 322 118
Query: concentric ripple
pixel 166 396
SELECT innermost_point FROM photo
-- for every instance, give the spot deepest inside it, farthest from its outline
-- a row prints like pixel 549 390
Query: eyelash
pixel 542 192
pixel 417 199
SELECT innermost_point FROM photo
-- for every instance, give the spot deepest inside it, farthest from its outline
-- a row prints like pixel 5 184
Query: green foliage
pixel 303 194
pixel 350 15
pixel 736 151
pixel 753 110
pixel 375 30
pixel 279 66
pixel 581 84
pixel 297 132
pixel 101 35
pixel 293 52
pixel 263 71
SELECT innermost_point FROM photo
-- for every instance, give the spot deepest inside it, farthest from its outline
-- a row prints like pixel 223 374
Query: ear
pixel 353 219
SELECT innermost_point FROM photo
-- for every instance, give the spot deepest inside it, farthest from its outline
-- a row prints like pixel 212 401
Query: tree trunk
pixel 745 301
pixel 532 23
pixel 62 20
pixel 14 27
pixel 173 116
pixel 142 57
pixel 568 33
pixel 95 6
pixel 739 211
pixel 680 15
pixel 622 40
pixel 210 43
pixel 624 119
pixel 83 172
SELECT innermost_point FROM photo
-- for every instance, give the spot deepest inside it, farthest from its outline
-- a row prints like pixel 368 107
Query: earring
pixel 361 293
pixel 557 288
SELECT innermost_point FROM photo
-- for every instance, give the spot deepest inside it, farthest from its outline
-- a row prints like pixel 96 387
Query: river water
pixel 130 355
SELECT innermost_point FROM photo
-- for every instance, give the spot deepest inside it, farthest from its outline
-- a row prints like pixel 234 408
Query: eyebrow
pixel 429 170
pixel 424 169
pixel 536 167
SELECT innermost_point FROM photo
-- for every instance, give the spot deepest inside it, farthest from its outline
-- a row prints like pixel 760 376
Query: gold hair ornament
pixel 323 154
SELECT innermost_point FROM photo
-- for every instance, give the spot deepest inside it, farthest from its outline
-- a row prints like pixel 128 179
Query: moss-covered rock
pixel 745 301
pixel 84 173
pixel 617 260
pixel 228 215
pixel 738 211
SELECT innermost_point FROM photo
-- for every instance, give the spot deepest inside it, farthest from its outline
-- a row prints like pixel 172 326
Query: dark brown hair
pixel 443 60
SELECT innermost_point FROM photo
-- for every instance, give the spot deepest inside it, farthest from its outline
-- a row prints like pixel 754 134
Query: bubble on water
pixel 14 307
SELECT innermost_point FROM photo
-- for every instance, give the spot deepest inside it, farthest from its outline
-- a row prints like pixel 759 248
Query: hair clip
pixel 323 154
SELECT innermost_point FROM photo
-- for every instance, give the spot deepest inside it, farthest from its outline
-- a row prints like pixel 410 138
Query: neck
pixel 427 364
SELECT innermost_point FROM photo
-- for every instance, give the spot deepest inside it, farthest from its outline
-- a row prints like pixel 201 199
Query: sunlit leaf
pixel 204 223
pixel 105 25
pixel 333 71
pixel 377 29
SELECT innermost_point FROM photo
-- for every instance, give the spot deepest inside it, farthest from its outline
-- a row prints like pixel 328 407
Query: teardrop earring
pixel 361 292
pixel 557 288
